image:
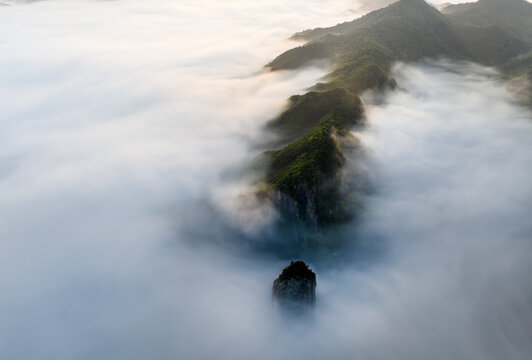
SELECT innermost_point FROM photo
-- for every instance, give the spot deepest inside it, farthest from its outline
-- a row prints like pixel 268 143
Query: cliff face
pixel 299 213
pixel 295 288
pixel 305 175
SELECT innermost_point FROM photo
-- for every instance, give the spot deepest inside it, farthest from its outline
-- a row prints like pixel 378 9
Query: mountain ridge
pixel 306 172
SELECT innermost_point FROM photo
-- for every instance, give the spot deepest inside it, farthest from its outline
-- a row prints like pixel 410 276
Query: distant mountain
pixel 305 174
pixel 490 32
pixel 513 15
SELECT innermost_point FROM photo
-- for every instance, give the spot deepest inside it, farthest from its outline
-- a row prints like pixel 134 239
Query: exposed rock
pixel 301 212
pixel 295 288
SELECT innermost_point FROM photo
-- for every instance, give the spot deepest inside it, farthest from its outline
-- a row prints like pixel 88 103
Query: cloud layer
pixel 120 117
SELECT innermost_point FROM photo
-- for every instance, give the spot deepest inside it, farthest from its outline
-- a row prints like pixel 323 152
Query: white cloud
pixel 120 116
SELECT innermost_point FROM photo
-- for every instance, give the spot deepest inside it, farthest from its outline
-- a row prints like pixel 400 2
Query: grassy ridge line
pixel 316 128
pixel 305 112
pixel 363 52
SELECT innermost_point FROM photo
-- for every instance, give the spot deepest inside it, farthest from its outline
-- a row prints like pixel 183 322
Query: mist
pixel 125 127
pixel 452 156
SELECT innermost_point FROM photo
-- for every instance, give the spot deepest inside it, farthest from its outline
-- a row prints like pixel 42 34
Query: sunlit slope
pixel 361 53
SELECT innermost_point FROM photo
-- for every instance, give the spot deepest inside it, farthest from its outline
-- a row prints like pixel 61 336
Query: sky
pixel 123 126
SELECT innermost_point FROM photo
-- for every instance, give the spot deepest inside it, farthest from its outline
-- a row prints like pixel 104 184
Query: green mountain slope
pixel 306 111
pixel 314 126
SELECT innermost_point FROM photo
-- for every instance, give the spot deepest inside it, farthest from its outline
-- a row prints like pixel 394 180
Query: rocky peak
pixel 295 288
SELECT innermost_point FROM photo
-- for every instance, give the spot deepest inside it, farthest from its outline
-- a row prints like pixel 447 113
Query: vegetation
pixel 292 59
pixel 306 160
pixel 490 32
pixel 296 269
pixel 305 112
pixel 306 169
pixel 512 15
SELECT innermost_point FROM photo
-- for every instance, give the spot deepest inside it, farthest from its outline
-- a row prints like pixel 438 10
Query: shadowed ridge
pixel 513 15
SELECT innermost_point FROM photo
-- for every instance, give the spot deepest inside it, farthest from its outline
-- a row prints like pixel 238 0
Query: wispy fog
pixel 116 117
pixel 123 124
pixel 452 156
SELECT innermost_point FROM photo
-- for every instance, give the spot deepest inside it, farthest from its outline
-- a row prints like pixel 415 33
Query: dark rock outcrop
pixel 295 288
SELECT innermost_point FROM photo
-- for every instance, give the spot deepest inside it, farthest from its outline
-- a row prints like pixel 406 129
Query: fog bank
pixel 121 119
pixel 116 117
pixel 452 155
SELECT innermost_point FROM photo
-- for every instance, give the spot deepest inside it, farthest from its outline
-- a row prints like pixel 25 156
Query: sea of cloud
pixel 120 117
